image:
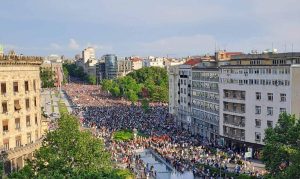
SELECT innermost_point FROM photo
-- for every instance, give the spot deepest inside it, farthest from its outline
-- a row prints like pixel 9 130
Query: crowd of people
pixel 184 151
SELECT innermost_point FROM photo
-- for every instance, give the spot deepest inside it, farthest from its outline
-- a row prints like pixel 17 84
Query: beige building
pixel 20 110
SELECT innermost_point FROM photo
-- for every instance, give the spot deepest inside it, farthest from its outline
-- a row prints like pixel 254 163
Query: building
pixel 254 90
pixel 20 108
pixel 174 84
pixel 115 66
pixel 137 63
pixel 154 62
pixel 205 100
pixel 183 117
pixel 88 53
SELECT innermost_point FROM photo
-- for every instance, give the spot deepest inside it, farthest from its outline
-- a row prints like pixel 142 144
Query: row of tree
pixel 78 72
pixel 148 82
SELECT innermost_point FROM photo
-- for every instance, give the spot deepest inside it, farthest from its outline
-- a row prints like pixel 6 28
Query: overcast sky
pixel 148 27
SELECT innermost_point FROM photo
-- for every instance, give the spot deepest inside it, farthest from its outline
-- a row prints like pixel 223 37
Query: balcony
pixel 24 149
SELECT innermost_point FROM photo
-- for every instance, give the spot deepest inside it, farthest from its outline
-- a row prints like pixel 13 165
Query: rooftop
pixel 20 60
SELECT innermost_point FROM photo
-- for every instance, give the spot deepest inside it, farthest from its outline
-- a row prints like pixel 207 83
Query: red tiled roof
pixel 193 62
pixel 135 59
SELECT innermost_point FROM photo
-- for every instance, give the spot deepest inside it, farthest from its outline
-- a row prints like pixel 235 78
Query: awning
pixel 17 106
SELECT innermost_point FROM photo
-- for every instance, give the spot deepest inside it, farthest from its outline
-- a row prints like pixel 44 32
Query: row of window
pixel 17 105
pixel 262 71
pixel 6 127
pixel 205 95
pixel 18 140
pixel 206 85
pixel 270 110
pixel 258 123
pixel 282 96
pixel 255 82
pixel 209 117
pixel 16 86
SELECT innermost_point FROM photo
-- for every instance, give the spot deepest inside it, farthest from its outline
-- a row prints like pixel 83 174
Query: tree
pixel 47 77
pixel 68 153
pixel 107 85
pixel 281 153
pixel 92 79
pixel 66 75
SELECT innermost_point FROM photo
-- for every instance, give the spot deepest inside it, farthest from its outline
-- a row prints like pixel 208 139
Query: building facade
pixel 20 113
pixel 116 67
pixel 205 102
pixel 183 117
pixel 254 90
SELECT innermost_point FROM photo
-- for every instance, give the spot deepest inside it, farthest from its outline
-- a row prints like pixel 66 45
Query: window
pixel 17 123
pixel 282 97
pixel 36 134
pixel 184 91
pixel 35 104
pixel 258 96
pixel 6 145
pixel 28 138
pixel 17 105
pixel 4 107
pixel 270 123
pixel 18 141
pixel 3 88
pixel 5 126
pixel 16 87
pixel 257 136
pixel 27 103
pixel 243 108
pixel 28 121
pixel 270 96
pixel 270 111
pixel 282 110
pixel 257 109
pixel 257 122
pixel 36 119
pixel 34 85
pixel 26 86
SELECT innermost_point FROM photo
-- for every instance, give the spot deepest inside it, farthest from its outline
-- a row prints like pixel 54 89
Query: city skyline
pixel 168 28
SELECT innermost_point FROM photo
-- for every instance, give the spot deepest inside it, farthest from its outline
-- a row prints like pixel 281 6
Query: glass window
pixel 270 111
pixel 282 97
pixel 26 86
pixel 257 136
pixel 270 123
pixel 270 96
pixel 258 96
pixel 3 88
pixel 16 87
pixel 257 122
pixel 257 109
pixel 4 107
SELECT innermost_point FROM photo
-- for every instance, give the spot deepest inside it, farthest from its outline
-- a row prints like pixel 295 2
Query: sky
pixel 174 28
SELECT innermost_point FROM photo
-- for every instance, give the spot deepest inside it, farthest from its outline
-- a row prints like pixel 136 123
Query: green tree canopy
pixel 47 77
pixel 68 153
pixel 281 153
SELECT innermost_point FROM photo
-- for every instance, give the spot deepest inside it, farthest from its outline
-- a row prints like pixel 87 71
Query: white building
pixel 88 53
pixel 173 89
pixel 154 62
pixel 254 90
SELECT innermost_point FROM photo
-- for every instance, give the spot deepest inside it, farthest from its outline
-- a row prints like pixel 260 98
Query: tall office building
pixel 20 112
pixel 88 54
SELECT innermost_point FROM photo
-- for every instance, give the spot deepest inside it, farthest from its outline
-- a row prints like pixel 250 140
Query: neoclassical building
pixel 20 110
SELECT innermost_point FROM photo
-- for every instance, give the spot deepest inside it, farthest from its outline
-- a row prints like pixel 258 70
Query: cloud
pixel 73 45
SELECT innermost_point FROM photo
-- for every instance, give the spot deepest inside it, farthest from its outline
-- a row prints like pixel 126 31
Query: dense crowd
pixel 184 151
